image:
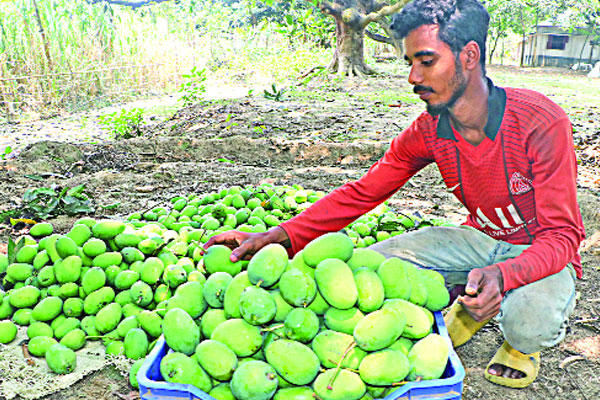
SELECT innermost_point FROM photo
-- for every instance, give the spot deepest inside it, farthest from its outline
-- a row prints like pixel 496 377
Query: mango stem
pixel 339 364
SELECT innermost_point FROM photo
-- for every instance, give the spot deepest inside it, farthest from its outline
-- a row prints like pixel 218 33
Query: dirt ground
pixel 320 136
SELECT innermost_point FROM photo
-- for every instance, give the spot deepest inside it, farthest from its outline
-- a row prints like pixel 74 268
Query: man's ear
pixel 471 55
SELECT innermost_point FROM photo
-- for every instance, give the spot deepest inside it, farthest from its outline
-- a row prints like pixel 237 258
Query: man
pixel 507 155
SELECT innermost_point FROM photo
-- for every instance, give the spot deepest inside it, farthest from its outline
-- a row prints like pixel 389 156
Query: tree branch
pixel 335 10
pixel 378 38
pixel 385 11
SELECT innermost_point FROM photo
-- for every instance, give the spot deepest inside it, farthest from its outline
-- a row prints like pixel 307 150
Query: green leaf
pixel 34 177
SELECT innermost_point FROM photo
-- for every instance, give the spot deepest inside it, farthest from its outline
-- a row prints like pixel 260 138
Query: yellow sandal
pixel 461 326
pixel 528 364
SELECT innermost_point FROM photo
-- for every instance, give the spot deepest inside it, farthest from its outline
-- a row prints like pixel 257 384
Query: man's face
pixel 435 71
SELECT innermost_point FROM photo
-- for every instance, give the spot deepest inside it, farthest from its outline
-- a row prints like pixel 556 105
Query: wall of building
pixel 535 48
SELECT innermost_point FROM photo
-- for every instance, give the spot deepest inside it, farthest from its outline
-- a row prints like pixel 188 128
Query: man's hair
pixel 460 21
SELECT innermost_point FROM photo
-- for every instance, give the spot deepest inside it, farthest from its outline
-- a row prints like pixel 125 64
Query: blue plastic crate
pixel 448 387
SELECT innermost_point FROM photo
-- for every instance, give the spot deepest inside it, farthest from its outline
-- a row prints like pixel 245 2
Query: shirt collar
pixel 496 106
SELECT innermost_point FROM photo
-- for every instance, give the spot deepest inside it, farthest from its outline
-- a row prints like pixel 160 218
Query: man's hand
pixel 484 293
pixel 245 244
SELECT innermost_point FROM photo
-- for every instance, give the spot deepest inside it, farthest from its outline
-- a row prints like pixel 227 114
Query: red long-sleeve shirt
pixel 519 184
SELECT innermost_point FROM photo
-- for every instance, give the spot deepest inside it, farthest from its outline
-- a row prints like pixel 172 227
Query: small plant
pixel 126 124
pixel 42 203
pixel 274 94
pixel 7 151
pixel 193 87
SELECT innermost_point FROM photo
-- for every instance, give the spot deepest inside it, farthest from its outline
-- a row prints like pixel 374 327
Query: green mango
pixel 88 324
pixel 69 289
pixel 141 294
pixel 38 345
pixel 61 359
pixel 125 279
pixel 330 346
pixel 87 221
pixel 131 309
pixel 25 297
pixel 297 288
pixel 136 344
pixel 19 272
pixel 218 360
pixel 301 324
pixel 336 283
pixel 98 299
pixel 379 329
pixel 174 275
pixel 254 380
pixel 438 296
pixel 47 309
pixel 418 320
pixel 180 331
pixel 331 245
pixel 107 229
pixel 241 337
pixel 65 247
pixel 124 240
pixel 66 326
pixel 162 293
pixel 366 258
pixel 267 265
pixel 68 270
pixel 222 392
pixel 430 274
pixel 347 385
pixel 384 367
pixel 179 368
pixel 108 317
pixel 135 368
pixel 40 260
pixel 115 348
pixel 216 259
pixel 428 358
pixel 151 323
pixel 295 393
pixel 257 306
pixel 294 361
pixel 402 344
pixel 319 306
pixel 152 270
pixel 39 329
pixel 233 292
pixel 371 292
pixel 94 247
pixel 107 259
pixel 26 254
pixel 132 254
pixel 50 247
pixel 22 316
pixel 298 263
pixel 127 324
pixel 210 319
pixel 189 298
pixel 46 276
pixel 343 320
pixel 41 229
pixel 8 331
pixel 394 276
pixel 282 306
pixel 93 279
pixel 214 288
pixel 74 339
pixel 79 234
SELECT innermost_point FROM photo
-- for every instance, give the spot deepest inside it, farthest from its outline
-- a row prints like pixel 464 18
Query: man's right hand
pixel 245 244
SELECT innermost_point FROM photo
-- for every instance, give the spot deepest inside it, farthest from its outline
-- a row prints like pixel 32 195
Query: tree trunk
pixel 348 58
pixel 582 48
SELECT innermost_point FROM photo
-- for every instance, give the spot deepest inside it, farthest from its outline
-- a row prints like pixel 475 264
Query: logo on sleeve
pixel 519 184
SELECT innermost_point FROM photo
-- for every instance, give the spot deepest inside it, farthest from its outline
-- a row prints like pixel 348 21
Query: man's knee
pixel 535 316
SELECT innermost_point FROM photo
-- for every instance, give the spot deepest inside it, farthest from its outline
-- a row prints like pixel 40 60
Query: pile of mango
pixel 258 208
pixel 335 321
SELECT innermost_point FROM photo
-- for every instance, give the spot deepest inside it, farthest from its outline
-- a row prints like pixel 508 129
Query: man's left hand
pixel 484 293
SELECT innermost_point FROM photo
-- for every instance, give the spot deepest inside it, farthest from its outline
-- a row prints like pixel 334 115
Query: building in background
pixel 551 45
